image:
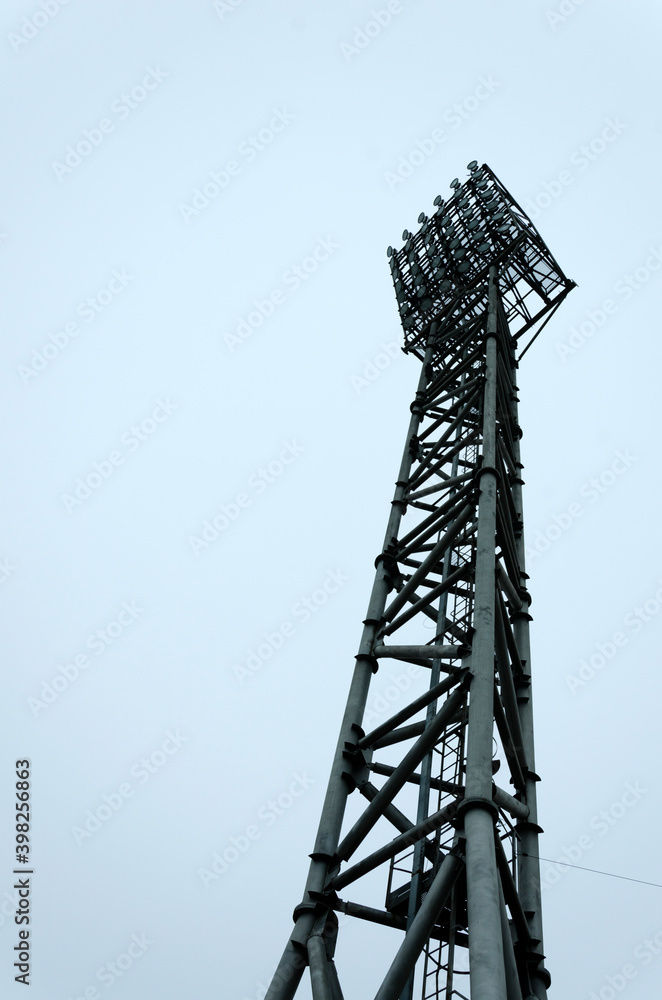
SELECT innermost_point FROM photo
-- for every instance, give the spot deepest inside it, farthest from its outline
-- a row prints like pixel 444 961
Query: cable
pixel 594 870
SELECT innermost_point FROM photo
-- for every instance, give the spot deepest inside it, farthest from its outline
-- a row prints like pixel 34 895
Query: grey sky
pixel 198 322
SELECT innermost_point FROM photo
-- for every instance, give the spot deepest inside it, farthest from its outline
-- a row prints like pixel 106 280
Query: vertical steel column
pixel 528 852
pixel 512 977
pixel 320 978
pixel 488 981
pixel 294 959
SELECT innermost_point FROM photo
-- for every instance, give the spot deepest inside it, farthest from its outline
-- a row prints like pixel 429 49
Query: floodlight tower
pixel 450 599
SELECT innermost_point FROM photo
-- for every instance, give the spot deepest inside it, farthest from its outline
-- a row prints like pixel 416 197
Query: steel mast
pixel 449 599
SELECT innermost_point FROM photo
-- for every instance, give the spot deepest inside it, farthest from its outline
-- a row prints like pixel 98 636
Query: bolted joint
pixel 526 826
pixel 534 960
pixel 355 769
pixel 332 869
pixel 545 976
pixel 477 802
pixel 519 616
pixel 414 446
pixel 380 559
pixel 349 780
pixel 352 753
pixel 366 657
pixel 392 574
pixel 318 856
pixel 387 560
pixel 356 764
pixel 483 469
pixel 326 925
pixel 359 732
pixel 307 908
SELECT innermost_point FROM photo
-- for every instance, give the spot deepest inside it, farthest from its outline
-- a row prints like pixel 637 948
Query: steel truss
pixel 450 599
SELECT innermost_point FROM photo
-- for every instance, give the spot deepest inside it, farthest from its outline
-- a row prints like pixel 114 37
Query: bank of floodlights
pixel 444 265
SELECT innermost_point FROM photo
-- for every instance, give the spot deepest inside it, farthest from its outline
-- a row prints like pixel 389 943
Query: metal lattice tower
pixel 462 873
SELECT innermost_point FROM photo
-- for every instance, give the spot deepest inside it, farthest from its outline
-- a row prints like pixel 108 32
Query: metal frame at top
pixel 448 259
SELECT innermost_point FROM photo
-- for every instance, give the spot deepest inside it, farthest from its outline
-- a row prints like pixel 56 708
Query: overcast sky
pixel 204 410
